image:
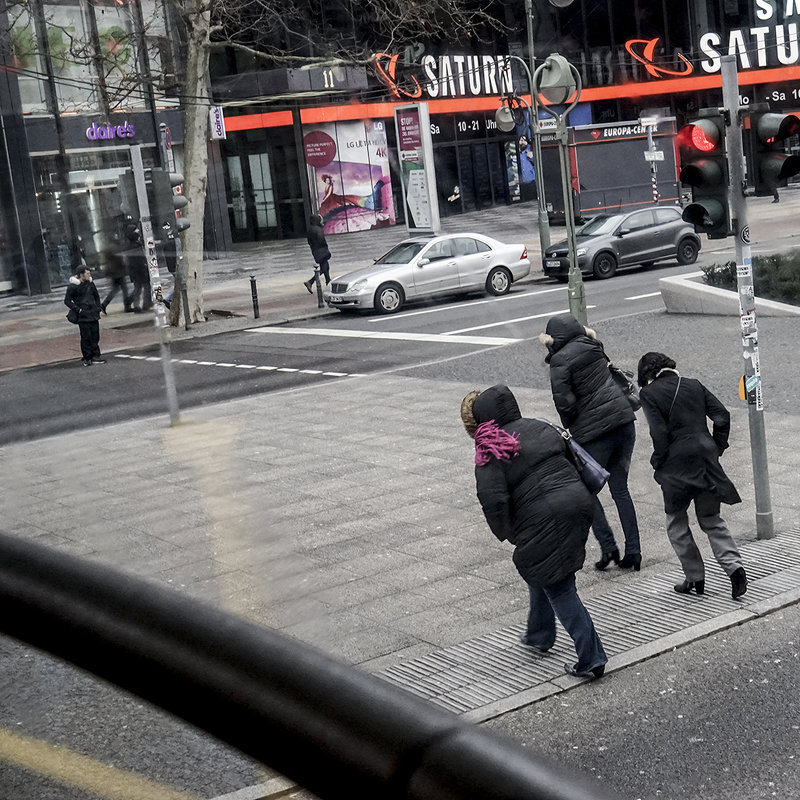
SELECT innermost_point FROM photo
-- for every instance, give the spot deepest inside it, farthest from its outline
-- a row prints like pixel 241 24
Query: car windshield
pixel 598 225
pixel 401 253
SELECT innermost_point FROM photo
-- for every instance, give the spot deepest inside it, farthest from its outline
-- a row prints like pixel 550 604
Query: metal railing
pixel 337 731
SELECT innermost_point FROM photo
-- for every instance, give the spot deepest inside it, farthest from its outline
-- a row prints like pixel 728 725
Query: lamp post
pixel 556 81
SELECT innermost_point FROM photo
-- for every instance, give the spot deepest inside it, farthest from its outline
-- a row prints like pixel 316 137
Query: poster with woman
pixel 348 171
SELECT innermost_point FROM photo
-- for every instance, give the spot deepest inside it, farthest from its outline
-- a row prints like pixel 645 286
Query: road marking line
pixel 311 371
pixel 287 369
pixel 186 361
pixel 152 358
pixel 397 336
pixel 206 363
pixel 510 322
pixel 336 374
pixel 643 296
pixel 515 296
pixel 266 368
pixel 245 366
pixel 223 364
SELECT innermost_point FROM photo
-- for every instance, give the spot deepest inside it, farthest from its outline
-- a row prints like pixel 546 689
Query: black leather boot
pixel 632 561
pixel 606 559
pixel 687 586
pixel 738 583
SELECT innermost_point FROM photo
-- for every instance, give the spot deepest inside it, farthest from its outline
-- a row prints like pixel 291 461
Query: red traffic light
pixel 702 135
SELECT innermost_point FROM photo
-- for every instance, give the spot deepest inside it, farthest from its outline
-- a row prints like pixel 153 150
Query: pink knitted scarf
pixel 491 441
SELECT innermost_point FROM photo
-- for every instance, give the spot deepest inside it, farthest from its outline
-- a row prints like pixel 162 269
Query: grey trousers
pixel 719 537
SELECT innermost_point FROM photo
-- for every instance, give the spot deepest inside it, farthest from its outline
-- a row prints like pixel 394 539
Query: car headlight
pixel 581 251
pixel 360 284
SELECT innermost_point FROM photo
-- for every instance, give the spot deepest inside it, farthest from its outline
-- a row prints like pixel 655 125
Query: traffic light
pixel 128 201
pixel 771 166
pixel 164 202
pixel 704 167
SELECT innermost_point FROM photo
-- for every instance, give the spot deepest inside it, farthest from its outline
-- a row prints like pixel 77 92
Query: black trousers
pixel 90 340
pixel 118 284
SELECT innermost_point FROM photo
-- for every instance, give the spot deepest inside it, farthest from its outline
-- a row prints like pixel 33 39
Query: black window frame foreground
pixel 330 727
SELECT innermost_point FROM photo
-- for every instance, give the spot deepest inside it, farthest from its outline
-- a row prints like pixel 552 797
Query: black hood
pixel 563 328
pixel 497 403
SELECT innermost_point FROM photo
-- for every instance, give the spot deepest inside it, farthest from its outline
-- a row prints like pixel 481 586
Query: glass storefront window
pixel 28 60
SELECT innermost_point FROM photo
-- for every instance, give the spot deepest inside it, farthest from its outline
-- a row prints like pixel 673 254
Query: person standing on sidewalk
pixel 686 463
pixel 319 251
pixel 601 419
pixel 531 496
pixel 83 298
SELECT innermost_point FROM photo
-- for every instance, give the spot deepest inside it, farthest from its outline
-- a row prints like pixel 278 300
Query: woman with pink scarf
pixel 531 496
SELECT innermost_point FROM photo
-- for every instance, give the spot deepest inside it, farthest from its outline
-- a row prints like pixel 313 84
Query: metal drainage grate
pixel 472 677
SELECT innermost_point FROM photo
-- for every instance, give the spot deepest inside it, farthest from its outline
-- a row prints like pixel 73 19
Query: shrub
pixel 775 277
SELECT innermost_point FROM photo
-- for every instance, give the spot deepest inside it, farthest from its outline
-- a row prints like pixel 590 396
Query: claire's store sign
pixel 103 131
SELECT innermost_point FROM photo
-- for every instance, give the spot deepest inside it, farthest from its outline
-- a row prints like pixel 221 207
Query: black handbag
pixel 593 475
pixel 624 379
pixel 72 316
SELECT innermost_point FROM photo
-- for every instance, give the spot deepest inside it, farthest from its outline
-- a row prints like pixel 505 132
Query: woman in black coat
pixel 319 250
pixel 531 495
pixel 686 463
pixel 600 418
pixel 83 298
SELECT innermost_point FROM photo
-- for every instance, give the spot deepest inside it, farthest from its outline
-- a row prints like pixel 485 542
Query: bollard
pixel 320 301
pixel 254 293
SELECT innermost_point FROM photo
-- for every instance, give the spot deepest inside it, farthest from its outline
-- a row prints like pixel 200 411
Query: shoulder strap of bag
pixel 674 396
pixel 565 434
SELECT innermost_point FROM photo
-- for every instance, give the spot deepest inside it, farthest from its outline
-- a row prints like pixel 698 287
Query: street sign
pixel 653 155
pixel 648 122
pixel 547 124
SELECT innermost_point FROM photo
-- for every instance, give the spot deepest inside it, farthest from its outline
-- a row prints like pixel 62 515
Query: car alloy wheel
pixel 498 281
pixel 388 298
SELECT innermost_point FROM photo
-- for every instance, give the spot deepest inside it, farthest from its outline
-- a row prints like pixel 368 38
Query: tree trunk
pixel 195 155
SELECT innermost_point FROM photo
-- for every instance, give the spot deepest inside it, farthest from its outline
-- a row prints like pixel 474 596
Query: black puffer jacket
pixel 535 500
pixel 588 401
pixel 84 298
pixel 685 455
pixel 316 239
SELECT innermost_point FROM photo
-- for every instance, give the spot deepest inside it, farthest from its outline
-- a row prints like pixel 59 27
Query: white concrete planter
pixel 685 294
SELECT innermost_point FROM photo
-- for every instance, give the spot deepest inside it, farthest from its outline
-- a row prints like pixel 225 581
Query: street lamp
pixel 557 81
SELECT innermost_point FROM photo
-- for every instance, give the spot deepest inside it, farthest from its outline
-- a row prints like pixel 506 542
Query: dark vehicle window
pixel 596 225
pixel 440 250
pixel 402 253
pixel 665 215
pixel 464 246
pixel 637 221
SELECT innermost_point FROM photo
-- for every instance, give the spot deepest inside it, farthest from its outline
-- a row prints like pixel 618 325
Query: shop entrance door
pixel 477 180
pixel 251 199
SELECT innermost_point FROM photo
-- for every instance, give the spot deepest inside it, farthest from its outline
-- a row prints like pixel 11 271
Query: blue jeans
pixel 561 600
pixel 614 452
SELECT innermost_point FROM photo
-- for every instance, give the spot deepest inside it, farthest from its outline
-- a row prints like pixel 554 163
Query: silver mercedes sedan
pixel 423 267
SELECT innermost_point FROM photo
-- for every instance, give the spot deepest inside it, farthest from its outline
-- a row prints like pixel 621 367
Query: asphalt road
pixel 714 720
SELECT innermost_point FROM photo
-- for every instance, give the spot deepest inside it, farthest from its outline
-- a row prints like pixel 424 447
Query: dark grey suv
pixel 610 241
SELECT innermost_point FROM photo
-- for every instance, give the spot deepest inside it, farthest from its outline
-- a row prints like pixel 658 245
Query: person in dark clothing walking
pixel 600 418
pixel 136 261
pixel 115 270
pixel 83 298
pixel 531 496
pixel 319 251
pixel 686 463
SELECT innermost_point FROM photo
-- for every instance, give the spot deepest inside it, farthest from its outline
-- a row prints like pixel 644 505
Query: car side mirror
pixel 619 233
pixel 423 262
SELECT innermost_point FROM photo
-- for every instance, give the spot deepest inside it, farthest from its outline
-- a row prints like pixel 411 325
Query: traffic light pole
pixel 149 244
pixel 179 266
pixel 747 308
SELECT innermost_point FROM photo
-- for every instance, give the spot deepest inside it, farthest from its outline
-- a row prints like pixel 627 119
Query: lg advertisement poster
pixel 348 171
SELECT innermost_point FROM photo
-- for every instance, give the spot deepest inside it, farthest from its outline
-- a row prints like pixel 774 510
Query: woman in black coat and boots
pixel 686 463
pixel 319 250
pixel 532 496
pixel 83 298
pixel 601 419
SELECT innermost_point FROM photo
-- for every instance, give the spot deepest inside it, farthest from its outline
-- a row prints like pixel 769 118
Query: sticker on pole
pixel 744 234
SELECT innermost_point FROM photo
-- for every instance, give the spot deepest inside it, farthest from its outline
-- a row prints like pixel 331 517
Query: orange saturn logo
pixel 643 49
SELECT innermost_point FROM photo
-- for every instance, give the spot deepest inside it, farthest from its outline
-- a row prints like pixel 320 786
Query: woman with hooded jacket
pixel 600 418
pixel 531 495
pixel 686 463
pixel 319 250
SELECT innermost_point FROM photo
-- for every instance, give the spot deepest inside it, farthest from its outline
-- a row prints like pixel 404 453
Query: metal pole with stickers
pixel 751 380
pixel 149 244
